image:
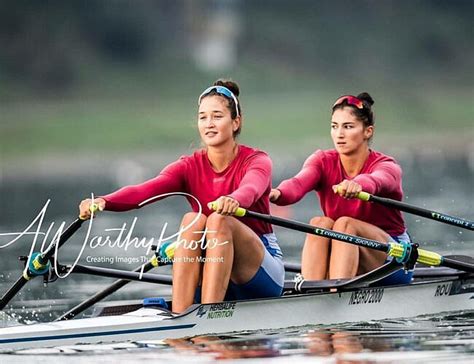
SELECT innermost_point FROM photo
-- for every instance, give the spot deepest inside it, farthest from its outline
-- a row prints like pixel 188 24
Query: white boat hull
pixel 440 295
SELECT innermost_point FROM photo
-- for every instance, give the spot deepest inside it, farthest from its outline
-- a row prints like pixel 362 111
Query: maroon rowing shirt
pixel 247 179
pixel 381 175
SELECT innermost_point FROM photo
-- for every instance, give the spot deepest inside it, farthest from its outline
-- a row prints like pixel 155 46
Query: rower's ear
pixel 236 124
pixel 368 132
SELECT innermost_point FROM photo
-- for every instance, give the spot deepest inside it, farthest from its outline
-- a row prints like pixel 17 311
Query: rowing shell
pixel 423 296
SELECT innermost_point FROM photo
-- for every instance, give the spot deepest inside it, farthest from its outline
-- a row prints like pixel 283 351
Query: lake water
pixel 445 186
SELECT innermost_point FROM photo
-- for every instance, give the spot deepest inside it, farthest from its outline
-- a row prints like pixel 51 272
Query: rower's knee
pixel 192 224
pixel 344 224
pixel 322 222
pixel 216 222
pixel 193 218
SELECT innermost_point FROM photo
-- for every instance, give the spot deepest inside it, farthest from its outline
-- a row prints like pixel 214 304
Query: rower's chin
pixel 214 141
pixel 345 149
pixel 342 148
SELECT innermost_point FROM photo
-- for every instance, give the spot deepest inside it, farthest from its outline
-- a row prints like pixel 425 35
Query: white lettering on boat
pixel 366 296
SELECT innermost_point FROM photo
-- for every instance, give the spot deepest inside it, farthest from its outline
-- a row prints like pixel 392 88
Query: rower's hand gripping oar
pixel 39 262
pixel 402 206
pixel 403 252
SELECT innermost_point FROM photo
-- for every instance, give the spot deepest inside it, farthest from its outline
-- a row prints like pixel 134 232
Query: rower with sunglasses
pixel 245 260
pixel 337 175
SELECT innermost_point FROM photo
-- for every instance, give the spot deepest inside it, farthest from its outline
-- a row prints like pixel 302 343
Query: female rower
pixel 337 176
pixel 246 262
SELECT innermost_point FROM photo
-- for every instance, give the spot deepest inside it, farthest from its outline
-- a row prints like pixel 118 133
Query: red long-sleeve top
pixel 381 175
pixel 247 179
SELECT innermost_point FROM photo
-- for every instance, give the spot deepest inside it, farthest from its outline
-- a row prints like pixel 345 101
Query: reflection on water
pixel 453 334
pixel 439 338
pixel 221 347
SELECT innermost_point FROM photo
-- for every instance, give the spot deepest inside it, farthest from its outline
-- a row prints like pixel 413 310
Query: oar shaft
pixel 121 274
pixel 310 229
pixel 99 296
pixel 12 291
pixel 39 265
pixel 402 251
pixel 458 264
pixel 433 215
pixel 71 229
pixel 41 259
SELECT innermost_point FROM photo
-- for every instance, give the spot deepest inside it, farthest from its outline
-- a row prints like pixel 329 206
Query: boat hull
pixel 362 304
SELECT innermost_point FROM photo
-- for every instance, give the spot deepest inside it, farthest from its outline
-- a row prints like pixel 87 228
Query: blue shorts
pixel 401 276
pixel 267 282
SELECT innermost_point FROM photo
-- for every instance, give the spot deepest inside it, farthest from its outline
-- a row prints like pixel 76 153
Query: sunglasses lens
pixel 221 90
pixel 351 100
pixel 339 101
pixel 355 102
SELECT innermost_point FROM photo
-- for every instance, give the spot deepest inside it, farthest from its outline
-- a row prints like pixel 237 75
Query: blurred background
pixel 99 94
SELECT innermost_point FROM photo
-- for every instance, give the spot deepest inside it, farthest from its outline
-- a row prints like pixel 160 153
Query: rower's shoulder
pixel 187 162
pixel 198 154
pixel 247 153
pixel 376 157
pixel 323 156
pixel 247 150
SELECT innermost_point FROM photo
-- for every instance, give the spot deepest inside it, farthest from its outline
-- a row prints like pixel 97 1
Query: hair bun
pixel 364 96
pixel 231 85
